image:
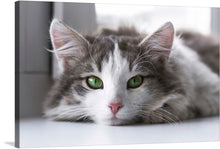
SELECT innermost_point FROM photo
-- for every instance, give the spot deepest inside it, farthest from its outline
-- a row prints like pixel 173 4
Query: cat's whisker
pixel 174 116
pixel 163 119
pixel 157 114
pixel 148 113
pixel 168 118
pixel 114 58
pixel 83 117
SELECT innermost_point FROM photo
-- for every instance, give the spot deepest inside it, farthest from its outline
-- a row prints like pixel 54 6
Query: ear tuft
pixel 66 41
pixel 160 41
pixel 166 35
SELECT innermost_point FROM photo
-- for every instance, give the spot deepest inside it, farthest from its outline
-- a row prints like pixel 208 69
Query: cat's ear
pixel 161 41
pixel 66 41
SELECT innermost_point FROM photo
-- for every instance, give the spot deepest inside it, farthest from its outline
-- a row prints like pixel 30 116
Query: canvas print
pixel 107 74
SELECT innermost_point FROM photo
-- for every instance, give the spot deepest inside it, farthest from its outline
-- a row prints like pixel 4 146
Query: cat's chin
pixel 112 121
pixel 115 121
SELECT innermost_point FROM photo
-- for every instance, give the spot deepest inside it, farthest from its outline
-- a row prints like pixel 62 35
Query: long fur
pixel 178 84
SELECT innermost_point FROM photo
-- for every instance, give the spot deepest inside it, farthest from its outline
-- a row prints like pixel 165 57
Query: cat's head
pixel 115 79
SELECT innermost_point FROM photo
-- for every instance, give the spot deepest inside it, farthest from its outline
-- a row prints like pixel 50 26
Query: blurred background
pixel 36 68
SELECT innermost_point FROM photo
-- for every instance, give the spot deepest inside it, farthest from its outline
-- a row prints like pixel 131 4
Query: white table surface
pixel 38 132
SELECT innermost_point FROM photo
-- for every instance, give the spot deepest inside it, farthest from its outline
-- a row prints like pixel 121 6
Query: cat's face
pixel 114 79
pixel 114 88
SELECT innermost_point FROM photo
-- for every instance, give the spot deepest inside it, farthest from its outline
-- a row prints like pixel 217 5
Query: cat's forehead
pixel 106 43
pixel 102 47
pixel 106 51
pixel 114 48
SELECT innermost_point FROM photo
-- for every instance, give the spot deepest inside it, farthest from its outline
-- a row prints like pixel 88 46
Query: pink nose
pixel 115 107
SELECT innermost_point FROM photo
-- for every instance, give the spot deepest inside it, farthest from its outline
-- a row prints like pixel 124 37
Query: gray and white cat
pixel 124 77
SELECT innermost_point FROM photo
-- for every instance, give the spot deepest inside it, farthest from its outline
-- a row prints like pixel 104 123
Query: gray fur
pixel 152 56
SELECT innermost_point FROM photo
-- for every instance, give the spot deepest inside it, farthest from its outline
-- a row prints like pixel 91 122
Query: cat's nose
pixel 115 107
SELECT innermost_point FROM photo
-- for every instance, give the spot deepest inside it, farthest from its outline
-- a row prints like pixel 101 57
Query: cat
pixel 122 77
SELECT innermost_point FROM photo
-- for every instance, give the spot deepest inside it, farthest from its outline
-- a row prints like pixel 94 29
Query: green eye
pixel 94 82
pixel 135 82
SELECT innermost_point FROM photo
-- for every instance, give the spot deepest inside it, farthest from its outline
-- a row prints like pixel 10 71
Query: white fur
pixel 115 74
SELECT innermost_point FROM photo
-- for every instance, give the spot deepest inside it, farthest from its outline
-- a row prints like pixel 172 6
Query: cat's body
pixel 175 83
